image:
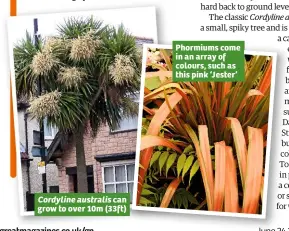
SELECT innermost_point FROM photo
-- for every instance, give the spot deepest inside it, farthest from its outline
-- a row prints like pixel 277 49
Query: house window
pixel 130 123
pixel 54 189
pixel 118 177
pixel 127 124
pixel 49 130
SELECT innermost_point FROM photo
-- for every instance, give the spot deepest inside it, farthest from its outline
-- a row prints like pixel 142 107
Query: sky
pixel 139 21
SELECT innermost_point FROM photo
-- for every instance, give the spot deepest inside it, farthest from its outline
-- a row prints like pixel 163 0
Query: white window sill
pixel 48 138
pixel 124 130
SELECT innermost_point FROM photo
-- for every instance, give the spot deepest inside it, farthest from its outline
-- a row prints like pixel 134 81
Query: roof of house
pixel 54 145
pixel 57 144
pixel 115 156
pixel 141 40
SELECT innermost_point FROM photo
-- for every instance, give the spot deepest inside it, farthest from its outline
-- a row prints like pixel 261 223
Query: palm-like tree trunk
pixel 82 186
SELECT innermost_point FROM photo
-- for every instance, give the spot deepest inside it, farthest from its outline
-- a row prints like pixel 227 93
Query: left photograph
pixel 76 81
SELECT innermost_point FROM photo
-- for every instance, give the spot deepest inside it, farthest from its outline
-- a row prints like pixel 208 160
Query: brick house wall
pixel 104 143
pixel 107 143
pixel 68 159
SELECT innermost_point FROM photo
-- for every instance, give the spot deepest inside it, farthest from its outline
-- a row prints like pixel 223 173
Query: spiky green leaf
pixel 162 159
pixel 181 163
pixel 170 162
pixel 155 157
pixel 194 169
pixel 188 165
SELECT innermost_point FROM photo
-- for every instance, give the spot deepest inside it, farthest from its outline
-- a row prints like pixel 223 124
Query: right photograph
pixel 204 147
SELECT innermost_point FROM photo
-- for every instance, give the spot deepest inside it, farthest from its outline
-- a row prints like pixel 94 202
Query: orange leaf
pixel 162 113
pixel 265 129
pixel 149 141
pixel 252 92
pixel 148 110
pixel 231 186
pixel 145 159
pixel 170 192
pixel 220 174
pixel 262 188
pixel 226 89
pixel 253 180
pixel 160 91
pixel 223 105
pixel 264 84
pixel 158 102
pixel 240 145
pixel 204 158
pixel 146 91
pixel 160 116
pixel 185 97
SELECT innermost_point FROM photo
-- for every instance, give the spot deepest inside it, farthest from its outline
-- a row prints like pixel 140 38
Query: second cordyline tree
pixel 89 73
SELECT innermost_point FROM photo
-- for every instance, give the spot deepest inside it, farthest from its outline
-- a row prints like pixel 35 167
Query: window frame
pixel 54 131
pixel 136 98
pixel 123 130
pixel 115 164
pixel 55 186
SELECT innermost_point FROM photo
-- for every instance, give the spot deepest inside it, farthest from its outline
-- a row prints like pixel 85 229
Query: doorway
pixel 71 172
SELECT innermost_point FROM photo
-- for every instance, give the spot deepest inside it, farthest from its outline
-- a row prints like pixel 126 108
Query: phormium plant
pixel 203 144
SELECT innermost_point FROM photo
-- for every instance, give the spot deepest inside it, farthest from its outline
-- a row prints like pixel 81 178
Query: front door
pixel 73 176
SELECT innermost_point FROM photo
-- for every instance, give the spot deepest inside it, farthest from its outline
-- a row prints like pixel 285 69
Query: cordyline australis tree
pixel 88 72
pixel 216 130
